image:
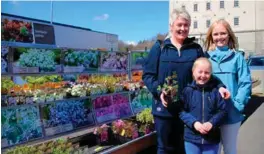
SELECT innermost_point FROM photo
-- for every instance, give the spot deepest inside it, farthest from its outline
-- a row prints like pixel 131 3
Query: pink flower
pixel 135 135
pixel 104 136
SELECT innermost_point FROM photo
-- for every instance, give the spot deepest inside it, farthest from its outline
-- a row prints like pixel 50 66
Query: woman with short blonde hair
pixel 177 55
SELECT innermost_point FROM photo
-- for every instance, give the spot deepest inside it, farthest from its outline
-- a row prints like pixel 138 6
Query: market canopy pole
pixel 51 11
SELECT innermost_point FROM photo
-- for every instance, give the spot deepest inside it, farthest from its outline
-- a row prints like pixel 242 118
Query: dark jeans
pixel 169 135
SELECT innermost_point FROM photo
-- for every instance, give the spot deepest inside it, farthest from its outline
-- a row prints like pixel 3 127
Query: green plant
pixel 145 116
pixel 6 84
pixel 170 87
pixel 43 79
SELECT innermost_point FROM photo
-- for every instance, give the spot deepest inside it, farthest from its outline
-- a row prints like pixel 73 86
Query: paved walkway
pixel 251 134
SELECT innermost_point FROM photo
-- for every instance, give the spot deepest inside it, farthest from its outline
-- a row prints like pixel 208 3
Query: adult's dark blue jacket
pixel 202 104
pixel 161 63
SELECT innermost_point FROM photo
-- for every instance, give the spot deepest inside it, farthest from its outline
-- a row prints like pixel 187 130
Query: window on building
pixel 208 23
pixel 195 25
pixel 236 21
pixel 222 4
pixel 236 3
pixel 195 7
pixel 208 6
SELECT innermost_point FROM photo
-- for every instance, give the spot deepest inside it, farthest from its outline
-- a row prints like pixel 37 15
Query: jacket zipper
pixel 203 113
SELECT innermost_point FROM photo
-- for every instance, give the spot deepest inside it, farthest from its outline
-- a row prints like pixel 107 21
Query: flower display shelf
pixel 67 115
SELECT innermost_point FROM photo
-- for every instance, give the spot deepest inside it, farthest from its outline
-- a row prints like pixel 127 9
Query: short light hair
pixel 202 61
pixel 179 12
pixel 175 14
pixel 232 43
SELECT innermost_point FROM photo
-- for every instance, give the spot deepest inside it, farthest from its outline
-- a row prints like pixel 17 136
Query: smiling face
pixel 220 35
pixel 180 28
pixel 202 72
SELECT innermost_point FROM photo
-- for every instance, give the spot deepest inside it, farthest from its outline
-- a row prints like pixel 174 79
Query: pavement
pixel 251 133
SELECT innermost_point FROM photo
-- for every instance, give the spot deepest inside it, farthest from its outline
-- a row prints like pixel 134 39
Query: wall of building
pixel 250 31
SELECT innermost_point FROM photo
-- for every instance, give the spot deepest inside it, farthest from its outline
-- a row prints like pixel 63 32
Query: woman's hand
pixel 224 93
pixel 162 98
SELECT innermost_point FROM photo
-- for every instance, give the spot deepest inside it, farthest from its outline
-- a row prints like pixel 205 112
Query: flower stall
pixel 49 92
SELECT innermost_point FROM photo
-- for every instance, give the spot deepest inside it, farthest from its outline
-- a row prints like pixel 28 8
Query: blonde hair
pixel 232 43
pixel 175 14
pixel 201 61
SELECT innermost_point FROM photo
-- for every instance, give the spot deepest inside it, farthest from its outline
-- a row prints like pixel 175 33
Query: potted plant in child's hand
pixel 170 87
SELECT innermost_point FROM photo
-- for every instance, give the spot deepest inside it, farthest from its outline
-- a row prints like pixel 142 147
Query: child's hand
pixel 207 126
pixel 200 128
pixel 224 93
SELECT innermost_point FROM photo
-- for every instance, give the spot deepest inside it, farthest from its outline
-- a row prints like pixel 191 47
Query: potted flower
pixel 102 134
pixel 6 85
pixel 170 87
pixel 146 121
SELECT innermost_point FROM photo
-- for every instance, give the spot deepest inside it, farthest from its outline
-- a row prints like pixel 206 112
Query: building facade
pixel 245 18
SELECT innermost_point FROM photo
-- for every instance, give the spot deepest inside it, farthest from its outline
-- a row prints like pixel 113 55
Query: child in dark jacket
pixel 203 111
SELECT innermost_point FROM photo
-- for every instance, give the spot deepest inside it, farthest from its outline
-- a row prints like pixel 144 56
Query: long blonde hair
pixel 232 43
pixel 175 14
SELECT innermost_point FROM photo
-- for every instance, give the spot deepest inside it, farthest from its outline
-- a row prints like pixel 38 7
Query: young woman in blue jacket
pixel 203 111
pixel 231 68
pixel 177 54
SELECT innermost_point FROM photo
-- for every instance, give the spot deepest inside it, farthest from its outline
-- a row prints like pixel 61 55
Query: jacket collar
pixel 187 41
pixel 209 85
pixel 230 53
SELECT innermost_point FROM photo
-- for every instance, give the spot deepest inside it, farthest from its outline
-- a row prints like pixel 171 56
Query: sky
pixel 131 21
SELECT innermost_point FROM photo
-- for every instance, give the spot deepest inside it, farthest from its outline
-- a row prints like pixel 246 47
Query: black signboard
pixel 44 34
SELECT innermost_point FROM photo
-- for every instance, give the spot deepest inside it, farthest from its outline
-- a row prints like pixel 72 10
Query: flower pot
pixel 29 100
pixel 123 139
pixel 4 100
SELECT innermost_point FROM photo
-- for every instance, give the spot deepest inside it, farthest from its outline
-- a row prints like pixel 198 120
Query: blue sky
pixel 131 21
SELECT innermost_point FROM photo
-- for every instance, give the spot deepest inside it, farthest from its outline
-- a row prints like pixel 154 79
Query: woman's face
pixel 220 35
pixel 180 28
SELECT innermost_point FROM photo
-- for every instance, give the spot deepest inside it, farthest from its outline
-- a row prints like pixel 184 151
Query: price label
pixel 97 149
pixel 123 132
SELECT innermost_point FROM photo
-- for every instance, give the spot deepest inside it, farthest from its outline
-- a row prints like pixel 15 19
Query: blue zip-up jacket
pixel 231 68
pixel 202 103
pixel 161 63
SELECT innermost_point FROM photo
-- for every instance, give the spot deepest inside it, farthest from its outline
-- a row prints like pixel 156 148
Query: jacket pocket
pixel 226 68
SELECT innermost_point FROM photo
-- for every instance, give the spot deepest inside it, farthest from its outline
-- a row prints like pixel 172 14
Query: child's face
pixel 202 73
pixel 220 35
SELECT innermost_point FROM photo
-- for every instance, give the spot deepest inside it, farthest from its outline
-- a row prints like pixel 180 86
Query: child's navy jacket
pixel 202 104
